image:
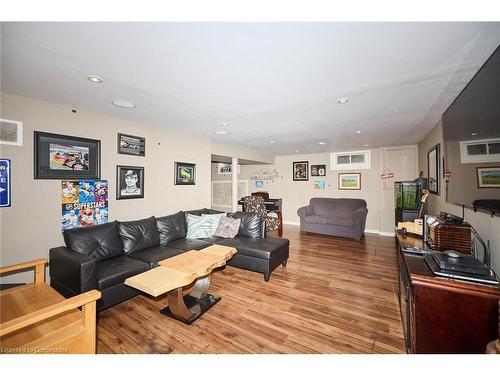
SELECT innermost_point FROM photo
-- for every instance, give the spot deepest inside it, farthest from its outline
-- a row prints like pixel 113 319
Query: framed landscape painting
pixel 185 173
pixel 64 157
pixel 301 171
pixel 349 181
pixel 488 177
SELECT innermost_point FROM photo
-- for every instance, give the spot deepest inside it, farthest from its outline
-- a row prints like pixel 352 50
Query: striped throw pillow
pixel 198 227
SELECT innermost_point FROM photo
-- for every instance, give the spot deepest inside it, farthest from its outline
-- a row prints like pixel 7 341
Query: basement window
pixel 480 151
pixel 350 160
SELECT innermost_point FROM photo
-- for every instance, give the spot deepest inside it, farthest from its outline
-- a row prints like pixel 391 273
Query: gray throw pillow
pixel 228 227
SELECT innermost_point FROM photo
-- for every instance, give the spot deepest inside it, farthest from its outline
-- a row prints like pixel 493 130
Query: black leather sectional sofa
pixel 103 256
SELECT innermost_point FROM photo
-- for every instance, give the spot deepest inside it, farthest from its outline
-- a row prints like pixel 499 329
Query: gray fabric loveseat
pixel 343 217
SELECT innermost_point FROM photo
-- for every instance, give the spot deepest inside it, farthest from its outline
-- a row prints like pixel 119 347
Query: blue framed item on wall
pixel 4 183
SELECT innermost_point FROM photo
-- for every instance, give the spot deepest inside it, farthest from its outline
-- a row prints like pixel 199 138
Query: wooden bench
pixel 34 318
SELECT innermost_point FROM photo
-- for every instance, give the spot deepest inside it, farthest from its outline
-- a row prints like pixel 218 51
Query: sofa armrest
pixel 304 211
pixel 75 272
pixel 359 216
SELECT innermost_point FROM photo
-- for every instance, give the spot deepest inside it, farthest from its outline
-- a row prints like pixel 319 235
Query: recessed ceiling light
pixel 221 132
pixel 475 133
pixel 224 124
pixel 365 145
pixel 122 103
pixel 342 100
pixel 359 131
pixel 95 79
pixel 321 143
pixel 271 142
pixel 296 150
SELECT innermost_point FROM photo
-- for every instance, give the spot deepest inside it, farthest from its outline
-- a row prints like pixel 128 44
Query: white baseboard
pixel 371 231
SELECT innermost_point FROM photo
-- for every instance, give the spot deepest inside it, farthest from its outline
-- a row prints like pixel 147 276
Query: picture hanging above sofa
pixel 185 173
pixel 129 182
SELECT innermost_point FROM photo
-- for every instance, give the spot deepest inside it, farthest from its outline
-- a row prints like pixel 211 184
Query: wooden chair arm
pixel 39 265
pixel 48 312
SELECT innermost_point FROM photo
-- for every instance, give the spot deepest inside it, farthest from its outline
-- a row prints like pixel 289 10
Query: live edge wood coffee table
pixel 177 274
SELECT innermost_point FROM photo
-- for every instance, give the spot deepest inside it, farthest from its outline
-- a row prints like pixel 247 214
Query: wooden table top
pixel 181 270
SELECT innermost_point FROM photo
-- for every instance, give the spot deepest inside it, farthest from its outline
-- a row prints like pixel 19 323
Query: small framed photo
pixel 185 173
pixel 64 157
pixel 131 145
pixel 11 132
pixel 349 181
pixel 319 185
pixel 488 177
pixel 129 182
pixel 318 170
pixel 301 171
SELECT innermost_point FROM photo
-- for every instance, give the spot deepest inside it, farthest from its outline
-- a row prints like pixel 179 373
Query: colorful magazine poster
pixel 86 191
pixel 101 191
pixel 69 191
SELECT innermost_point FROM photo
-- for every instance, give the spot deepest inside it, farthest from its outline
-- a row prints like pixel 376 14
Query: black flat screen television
pixel 471 135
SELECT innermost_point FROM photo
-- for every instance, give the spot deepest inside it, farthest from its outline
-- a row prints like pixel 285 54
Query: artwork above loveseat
pixel 103 256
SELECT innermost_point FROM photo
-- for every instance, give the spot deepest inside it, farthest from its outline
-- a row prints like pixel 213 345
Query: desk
pixel 442 315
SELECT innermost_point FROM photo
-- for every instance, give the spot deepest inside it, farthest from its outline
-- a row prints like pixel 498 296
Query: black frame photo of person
pixel 121 186
pixel 300 171
pixel 61 157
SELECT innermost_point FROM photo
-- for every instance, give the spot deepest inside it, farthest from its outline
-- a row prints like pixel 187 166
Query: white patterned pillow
pixel 228 227
pixel 214 218
pixel 198 226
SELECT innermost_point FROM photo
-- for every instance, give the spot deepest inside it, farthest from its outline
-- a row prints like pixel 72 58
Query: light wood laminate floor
pixel 335 296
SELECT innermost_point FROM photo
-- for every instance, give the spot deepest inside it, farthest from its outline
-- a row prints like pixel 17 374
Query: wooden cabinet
pixel 442 315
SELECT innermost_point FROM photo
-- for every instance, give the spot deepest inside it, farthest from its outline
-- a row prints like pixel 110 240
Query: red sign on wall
pixel 383 176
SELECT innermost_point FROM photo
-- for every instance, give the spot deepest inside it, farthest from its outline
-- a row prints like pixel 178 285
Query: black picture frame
pixel 318 170
pixel 185 173
pixel 126 187
pixel 131 145
pixel 434 169
pixel 300 171
pixel 61 157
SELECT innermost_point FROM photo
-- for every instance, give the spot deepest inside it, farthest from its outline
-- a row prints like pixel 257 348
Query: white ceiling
pixel 269 81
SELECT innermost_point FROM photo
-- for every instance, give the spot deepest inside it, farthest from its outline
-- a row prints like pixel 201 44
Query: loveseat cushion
pixel 189 244
pixel 171 227
pixel 154 255
pixel 139 234
pixel 99 241
pixel 114 271
pixel 316 219
pixel 341 220
pixel 251 224
pixel 256 247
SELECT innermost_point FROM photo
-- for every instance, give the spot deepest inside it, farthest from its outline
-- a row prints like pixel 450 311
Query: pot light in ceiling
pixel 322 143
pixel 474 134
pixel 296 150
pixel 271 142
pixel 122 103
pixel 342 100
pixel 365 145
pixel 95 79
pixel 224 124
pixel 221 132
pixel 359 131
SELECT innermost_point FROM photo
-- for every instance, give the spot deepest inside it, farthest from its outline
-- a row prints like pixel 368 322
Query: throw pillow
pixel 198 227
pixel 215 219
pixel 228 227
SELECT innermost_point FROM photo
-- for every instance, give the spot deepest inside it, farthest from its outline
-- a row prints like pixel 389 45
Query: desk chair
pixel 256 204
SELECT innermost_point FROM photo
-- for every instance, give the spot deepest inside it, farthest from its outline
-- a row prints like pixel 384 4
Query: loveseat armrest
pixel 304 211
pixel 359 217
pixel 73 271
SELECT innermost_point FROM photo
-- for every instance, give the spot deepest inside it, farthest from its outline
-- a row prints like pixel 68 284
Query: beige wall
pixel 488 227
pixel 32 224
pixel 296 194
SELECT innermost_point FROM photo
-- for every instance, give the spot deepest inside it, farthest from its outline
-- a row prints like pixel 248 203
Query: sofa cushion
pixel 139 234
pixel 251 224
pixel 154 255
pixel 114 271
pixel 189 244
pixel 316 219
pixel 328 206
pixel 213 239
pixel 342 220
pixel 228 227
pixel 171 227
pixel 214 220
pixel 256 247
pixel 99 242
